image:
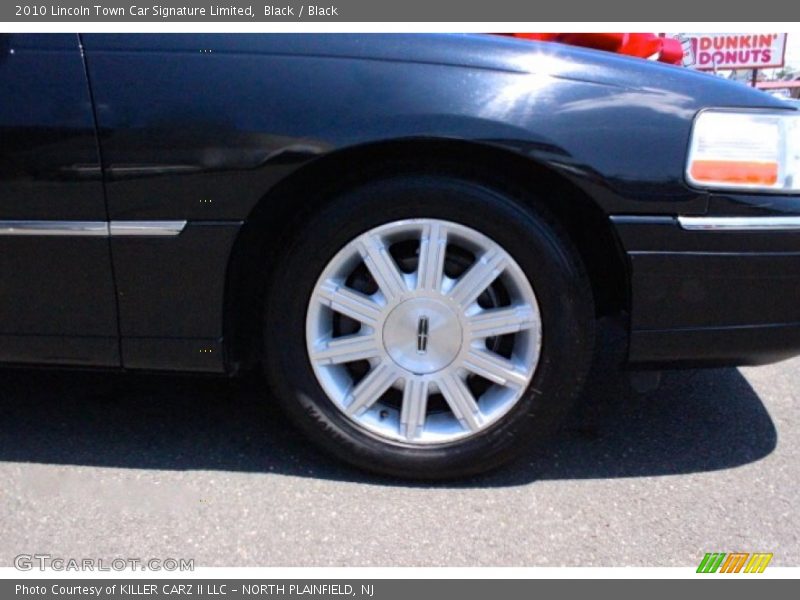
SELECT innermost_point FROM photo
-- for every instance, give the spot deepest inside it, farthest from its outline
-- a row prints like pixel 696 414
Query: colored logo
pixel 734 562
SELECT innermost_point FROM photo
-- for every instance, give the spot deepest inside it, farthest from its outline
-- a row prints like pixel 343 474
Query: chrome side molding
pixel 148 228
pixel 642 219
pixel 92 228
pixel 771 223
pixel 706 223
pixel 71 228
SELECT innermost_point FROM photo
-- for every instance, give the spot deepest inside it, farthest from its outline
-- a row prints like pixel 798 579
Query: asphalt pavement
pixel 104 465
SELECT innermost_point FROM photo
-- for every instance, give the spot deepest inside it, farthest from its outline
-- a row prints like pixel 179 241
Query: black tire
pixel 524 229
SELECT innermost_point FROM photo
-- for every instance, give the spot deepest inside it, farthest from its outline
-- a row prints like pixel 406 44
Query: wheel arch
pixel 282 209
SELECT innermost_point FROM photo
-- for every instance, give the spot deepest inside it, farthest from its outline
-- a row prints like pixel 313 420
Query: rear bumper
pixel 711 291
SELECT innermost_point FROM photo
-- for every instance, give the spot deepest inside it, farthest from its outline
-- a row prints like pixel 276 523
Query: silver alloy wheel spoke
pixel 501 321
pixel 406 373
pixel 371 388
pixel 461 401
pixel 350 303
pixel 475 281
pixel 432 247
pixel 346 349
pixel 494 367
pixel 382 267
pixel 415 402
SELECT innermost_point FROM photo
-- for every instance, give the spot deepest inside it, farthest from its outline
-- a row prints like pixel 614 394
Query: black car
pixel 413 235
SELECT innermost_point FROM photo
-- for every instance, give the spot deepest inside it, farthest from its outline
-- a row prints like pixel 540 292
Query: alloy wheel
pixel 423 331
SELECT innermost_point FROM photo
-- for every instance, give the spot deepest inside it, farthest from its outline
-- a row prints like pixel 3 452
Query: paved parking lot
pixel 102 465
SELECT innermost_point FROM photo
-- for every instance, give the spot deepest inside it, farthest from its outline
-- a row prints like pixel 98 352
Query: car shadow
pixel 698 420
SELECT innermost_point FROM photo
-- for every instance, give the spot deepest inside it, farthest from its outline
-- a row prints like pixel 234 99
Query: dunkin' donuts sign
pixel 738 50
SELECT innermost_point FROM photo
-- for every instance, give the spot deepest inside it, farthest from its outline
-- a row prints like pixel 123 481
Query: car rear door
pixel 57 301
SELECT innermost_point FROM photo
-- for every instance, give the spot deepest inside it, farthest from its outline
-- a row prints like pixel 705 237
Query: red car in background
pixel 643 45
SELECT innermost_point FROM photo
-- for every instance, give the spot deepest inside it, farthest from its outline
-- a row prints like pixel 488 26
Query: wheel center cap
pixel 422 335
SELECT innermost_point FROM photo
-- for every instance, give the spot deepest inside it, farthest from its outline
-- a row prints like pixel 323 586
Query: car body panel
pixel 171 293
pixel 711 297
pixel 57 300
pixel 202 127
pixel 225 118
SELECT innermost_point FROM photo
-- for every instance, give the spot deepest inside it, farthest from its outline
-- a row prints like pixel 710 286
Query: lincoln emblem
pixel 422 335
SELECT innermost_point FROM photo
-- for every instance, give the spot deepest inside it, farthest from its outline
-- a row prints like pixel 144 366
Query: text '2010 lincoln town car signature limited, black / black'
pixel 412 235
